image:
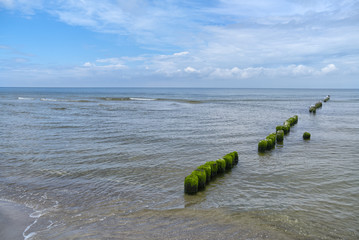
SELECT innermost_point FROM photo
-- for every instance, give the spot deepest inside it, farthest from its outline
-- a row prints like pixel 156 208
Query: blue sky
pixel 169 43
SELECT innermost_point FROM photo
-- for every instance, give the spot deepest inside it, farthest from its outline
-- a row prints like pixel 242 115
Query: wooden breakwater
pixel 313 108
pixel 270 141
pixel 198 179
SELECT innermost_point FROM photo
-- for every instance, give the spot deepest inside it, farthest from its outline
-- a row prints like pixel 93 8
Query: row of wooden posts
pixel 198 179
pixel 313 108
pixel 269 142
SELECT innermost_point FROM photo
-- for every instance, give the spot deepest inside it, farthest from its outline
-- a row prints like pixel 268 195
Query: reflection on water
pixel 104 163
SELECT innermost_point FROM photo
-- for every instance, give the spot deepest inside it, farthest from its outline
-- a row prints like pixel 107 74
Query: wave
pixel 142 99
pixel 64 100
pixel 115 99
pixel 149 99
pixel 49 99
pixel 25 98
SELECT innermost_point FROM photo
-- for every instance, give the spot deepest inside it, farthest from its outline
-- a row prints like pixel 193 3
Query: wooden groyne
pixel 198 179
pixel 269 142
pixel 313 108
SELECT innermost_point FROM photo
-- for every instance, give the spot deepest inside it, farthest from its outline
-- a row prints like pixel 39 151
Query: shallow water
pixel 110 163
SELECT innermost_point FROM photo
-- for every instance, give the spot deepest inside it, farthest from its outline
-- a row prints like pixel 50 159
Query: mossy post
pixel 306 136
pixel 221 164
pixel 235 158
pixel 280 136
pixel 191 184
pixel 208 170
pixel 272 137
pixel 291 121
pixel 214 168
pixel 312 109
pixel 229 160
pixel 287 124
pixel 270 143
pixel 295 119
pixel 201 174
pixel 286 129
pixel 318 105
pixel 262 146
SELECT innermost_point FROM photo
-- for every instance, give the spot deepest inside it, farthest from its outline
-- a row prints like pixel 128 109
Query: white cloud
pixel 190 70
pixel 106 64
pixel 180 53
pixel 301 69
pixel 329 68
pixel 109 60
pixel 225 39
pixel 87 64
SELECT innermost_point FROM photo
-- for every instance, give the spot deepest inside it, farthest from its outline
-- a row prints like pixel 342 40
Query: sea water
pixel 109 163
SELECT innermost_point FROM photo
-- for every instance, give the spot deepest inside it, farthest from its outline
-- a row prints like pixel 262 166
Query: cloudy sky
pixel 179 43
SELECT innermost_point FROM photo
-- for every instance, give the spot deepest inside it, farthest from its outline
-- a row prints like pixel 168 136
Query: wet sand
pixel 14 219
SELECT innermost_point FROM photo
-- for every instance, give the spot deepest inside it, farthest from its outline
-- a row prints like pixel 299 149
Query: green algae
pixel 270 143
pixel 221 165
pixel 191 184
pixel 198 179
pixel 306 135
pixel 229 160
pixel 214 168
pixel 262 146
pixel 208 170
pixel 312 109
pixel 280 136
pixel 318 105
pixel 201 174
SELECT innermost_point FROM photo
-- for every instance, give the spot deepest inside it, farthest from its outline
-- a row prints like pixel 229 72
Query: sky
pixel 170 43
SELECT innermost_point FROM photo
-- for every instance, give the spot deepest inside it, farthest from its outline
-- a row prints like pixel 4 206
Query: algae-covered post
pixel 296 119
pixel 208 170
pixel 262 146
pixel 318 104
pixel 214 168
pixel 191 184
pixel 201 174
pixel 312 109
pixel 326 99
pixel 221 163
pixel 235 157
pixel 229 161
pixel 280 136
pixel 270 141
pixel 306 136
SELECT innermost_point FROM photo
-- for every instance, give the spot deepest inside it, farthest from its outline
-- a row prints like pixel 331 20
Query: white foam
pixel 48 99
pixel 51 224
pixel 25 98
pixel 142 99
pixel 30 235
pixel 37 215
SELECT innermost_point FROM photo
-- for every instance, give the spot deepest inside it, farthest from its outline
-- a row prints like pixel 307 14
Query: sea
pixel 110 163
